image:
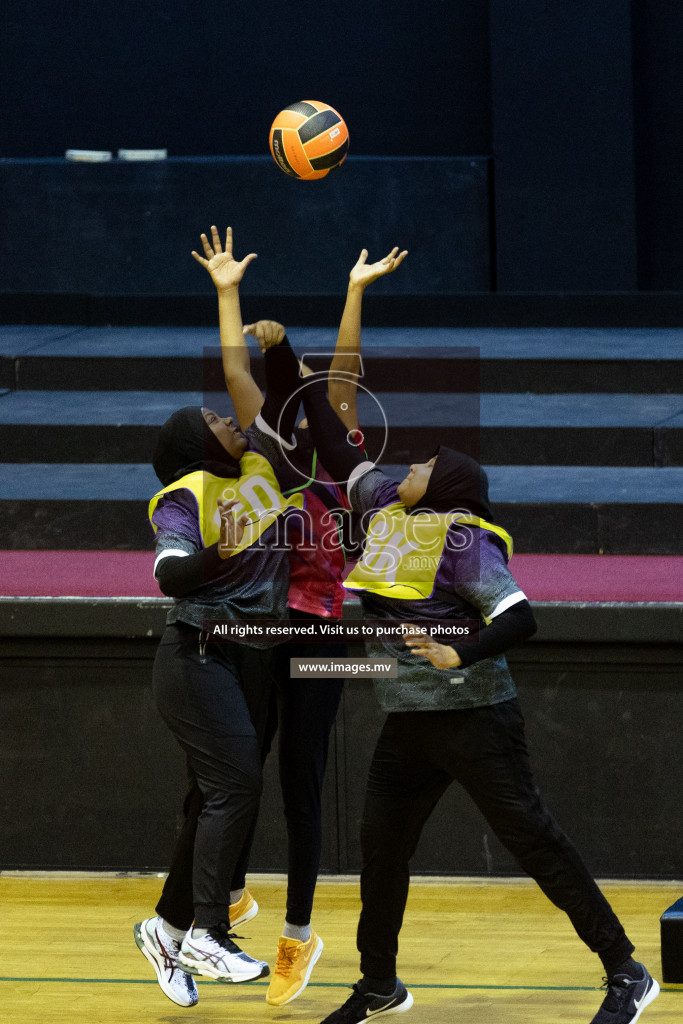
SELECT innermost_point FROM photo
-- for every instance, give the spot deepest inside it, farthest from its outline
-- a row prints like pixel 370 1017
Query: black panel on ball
pixel 307 109
pixel 320 163
pixel 318 124
pixel 280 155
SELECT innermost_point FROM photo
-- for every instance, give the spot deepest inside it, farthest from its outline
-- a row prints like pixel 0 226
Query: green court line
pixel 332 984
pixel 311 984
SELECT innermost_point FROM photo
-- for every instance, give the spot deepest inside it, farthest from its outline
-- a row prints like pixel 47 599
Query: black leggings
pixel 417 757
pixel 305 711
pixel 217 703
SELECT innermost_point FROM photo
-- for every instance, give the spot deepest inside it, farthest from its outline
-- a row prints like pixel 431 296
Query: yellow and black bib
pixel 256 490
pixel 403 551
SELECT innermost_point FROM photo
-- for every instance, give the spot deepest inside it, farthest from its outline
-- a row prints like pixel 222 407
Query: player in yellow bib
pixel 220 523
pixel 433 553
pixel 305 709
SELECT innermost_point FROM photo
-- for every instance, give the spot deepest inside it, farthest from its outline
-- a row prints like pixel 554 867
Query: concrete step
pixel 515 429
pixel 546 360
pixel 547 509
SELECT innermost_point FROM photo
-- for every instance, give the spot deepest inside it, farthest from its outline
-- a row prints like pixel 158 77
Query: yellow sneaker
pixel 245 908
pixel 295 961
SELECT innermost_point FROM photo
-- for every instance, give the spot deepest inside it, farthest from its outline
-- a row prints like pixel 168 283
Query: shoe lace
pixel 170 962
pixel 286 956
pixel 617 993
pixel 354 1003
pixel 225 939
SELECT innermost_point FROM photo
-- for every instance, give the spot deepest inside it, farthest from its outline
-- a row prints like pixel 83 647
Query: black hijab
pixel 187 443
pixel 458 483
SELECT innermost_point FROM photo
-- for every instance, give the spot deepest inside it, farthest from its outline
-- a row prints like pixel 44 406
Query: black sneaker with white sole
pixel 626 998
pixel 361 1006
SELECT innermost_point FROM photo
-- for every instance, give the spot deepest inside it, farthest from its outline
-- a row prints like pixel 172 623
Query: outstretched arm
pixel 345 367
pixel 226 273
pixel 329 433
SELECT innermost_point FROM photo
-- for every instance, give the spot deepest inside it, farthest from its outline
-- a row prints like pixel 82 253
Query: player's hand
pixel 232 529
pixel 365 273
pixel 226 272
pixel 440 655
pixel 266 332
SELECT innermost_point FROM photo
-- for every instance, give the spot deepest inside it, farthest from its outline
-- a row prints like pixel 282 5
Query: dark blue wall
pixel 563 146
pixel 657 35
pixel 577 108
pixel 126 229
pixel 209 77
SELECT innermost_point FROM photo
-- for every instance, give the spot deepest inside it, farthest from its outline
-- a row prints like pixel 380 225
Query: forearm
pixel 244 392
pixel 234 351
pixel 346 363
pixel 511 627
pixel 329 433
pixel 178 576
pixel 282 381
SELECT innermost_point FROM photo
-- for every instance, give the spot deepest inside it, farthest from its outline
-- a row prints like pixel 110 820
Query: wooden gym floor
pixel 472 951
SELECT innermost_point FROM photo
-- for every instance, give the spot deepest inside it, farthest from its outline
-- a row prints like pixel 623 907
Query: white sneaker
pixel 216 956
pixel 162 952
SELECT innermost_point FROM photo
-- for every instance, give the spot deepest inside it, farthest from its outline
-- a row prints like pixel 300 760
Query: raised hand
pixel 232 529
pixel 226 272
pixel 266 332
pixel 363 273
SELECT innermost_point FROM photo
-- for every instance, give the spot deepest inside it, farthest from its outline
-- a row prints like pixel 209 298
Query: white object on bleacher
pixel 89 156
pixel 142 154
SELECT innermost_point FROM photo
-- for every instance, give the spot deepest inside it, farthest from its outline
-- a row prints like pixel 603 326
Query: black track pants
pixel 417 757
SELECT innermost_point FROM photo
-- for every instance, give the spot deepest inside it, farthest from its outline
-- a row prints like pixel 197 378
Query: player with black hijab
pixel 220 522
pixel 434 553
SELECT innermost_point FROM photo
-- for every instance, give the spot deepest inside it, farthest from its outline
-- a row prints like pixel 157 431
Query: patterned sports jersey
pixel 317 558
pixel 254 583
pixel 472 581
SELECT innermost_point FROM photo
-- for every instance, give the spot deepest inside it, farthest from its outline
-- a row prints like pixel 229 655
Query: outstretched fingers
pixel 243 264
pixel 393 260
pixel 391 256
pixel 217 241
pixel 214 247
pixel 390 262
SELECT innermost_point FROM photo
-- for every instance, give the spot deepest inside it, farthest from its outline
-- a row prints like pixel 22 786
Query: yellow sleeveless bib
pixel 402 551
pixel 256 489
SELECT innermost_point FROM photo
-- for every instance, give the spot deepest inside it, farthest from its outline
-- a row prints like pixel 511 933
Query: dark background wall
pixel 92 780
pixel 575 111
pixel 563 140
pixel 657 26
pixel 208 78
